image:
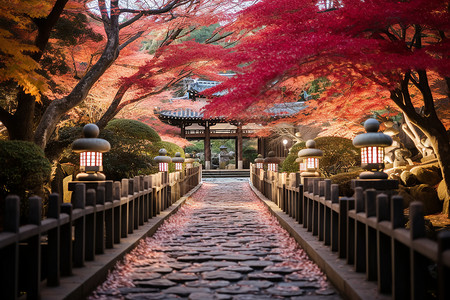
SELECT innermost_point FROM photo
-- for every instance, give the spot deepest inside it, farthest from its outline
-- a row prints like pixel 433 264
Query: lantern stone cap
pixel 372 137
pixel 310 151
pixel 177 158
pixel 271 159
pixel 259 159
pixel 189 159
pixel 90 141
pixel 223 147
pixel 162 157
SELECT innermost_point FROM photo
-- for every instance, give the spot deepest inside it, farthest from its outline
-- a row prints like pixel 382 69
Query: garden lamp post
pixel 272 161
pixel 259 161
pixel 178 161
pixel 163 160
pixel 308 160
pixel 372 144
pixel 91 149
pixel 285 141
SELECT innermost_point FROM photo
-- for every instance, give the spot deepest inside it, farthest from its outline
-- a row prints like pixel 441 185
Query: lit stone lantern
pixel 189 161
pixel 91 150
pixel 259 161
pixel 178 161
pixel 163 160
pixel 372 144
pixel 272 161
pixel 308 159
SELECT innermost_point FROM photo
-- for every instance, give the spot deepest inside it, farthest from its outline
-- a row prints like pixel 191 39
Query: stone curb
pixel 85 280
pixel 351 285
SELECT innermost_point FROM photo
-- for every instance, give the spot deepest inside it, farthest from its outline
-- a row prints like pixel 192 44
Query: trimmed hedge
pixel 24 172
pixel 133 129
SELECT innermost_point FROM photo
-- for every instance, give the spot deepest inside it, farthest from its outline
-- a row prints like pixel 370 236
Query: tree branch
pixel 150 12
pixel 130 40
pixel 131 21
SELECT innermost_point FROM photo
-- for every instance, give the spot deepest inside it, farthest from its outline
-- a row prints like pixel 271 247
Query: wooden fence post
pixel 417 261
pixel 100 221
pixel 334 218
pixel 79 202
pixel 33 256
pixel 327 215
pixel 66 258
pixel 9 255
pixel 443 269
pixel 384 262
pixel 54 242
pixel 90 231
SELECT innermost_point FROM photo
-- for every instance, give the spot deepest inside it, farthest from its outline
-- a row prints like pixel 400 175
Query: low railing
pixel 367 231
pixel 100 215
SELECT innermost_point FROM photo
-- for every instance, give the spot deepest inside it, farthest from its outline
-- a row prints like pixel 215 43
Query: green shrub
pixel 289 165
pixel 339 156
pixel 133 129
pixel 24 172
pixel 344 180
pixel 127 158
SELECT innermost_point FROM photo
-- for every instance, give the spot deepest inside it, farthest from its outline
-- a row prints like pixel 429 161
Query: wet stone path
pixel 222 244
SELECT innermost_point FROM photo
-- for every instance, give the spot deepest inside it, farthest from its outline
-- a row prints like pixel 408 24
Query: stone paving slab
pixel 351 284
pixel 222 244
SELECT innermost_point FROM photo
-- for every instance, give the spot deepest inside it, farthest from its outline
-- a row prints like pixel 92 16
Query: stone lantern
pixel 189 161
pixel 91 150
pixel 178 161
pixel 163 160
pixel 372 144
pixel 272 161
pixel 308 160
pixel 259 161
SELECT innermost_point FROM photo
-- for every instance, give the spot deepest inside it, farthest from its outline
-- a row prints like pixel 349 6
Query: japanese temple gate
pixel 195 127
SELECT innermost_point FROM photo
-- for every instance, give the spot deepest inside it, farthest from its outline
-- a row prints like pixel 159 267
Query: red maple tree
pixel 375 52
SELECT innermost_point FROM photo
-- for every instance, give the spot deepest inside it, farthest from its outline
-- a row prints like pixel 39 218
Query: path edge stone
pixel 350 284
pixel 85 280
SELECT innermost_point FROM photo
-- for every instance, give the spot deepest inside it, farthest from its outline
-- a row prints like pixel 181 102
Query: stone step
pixel 225 173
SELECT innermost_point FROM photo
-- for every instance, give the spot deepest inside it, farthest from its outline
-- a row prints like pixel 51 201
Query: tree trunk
pixel 20 125
pixel 112 111
pixel 59 107
pixel 433 128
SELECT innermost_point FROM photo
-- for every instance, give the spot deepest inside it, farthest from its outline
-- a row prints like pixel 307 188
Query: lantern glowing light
pixel 308 159
pixel 372 144
pixel 178 161
pixel 272 161
pixel 91 150
pixel 259 161
pixel 163 160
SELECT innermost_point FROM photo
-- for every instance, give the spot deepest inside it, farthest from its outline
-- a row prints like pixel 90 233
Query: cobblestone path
pixel 222 244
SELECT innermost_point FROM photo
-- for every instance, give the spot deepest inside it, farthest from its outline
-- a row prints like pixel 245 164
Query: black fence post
pixel 54 242
pixel 9 255
pixel 443 269
pixel 90 231
pixel 334 218
pixel 66 253
pixel 110 221
pixel 33 256
pixel 117 212
pixel 417 261
pixel 79 202
pixel 384 262
pixel 100 221
pixel 327 215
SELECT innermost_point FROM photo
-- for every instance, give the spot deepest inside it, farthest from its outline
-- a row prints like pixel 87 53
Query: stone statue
pixel 397 154
pixel 224 157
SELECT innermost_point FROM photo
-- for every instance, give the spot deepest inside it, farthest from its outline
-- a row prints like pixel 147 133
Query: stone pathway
pixel 222 244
